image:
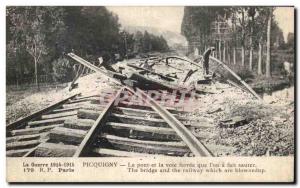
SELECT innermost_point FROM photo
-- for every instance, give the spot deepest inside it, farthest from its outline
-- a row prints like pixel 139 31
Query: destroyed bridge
pixel 146 112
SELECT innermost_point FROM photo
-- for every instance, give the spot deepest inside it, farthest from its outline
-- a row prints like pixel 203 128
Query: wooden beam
pixel 74 105
pixel 87 97
pixel 67 135
pixel 59 115
pixel 50 121
pixel 142 132
pixel 193 143
pixel 146 107
pixel 138 120
pixel 54 150
pixel 142 128
pixel 118 153
pixel 152 72
pixel 24 137
pixel 143 113
pixel 22 122
pixel 30 131
pixel 64 110
pixel 83 100
pixel 90 136
pixel 17 153
pixel 83 124
pixel 149 83
pixel 88 114
pixel 166 148
pixel 84 106
pixel 22 144
pixel 115 77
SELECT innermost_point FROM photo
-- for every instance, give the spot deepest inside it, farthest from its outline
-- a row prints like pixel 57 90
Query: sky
pixel 170 18
pixel 167 18
pixel 285 19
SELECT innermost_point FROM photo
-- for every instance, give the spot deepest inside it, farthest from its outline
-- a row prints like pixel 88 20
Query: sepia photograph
pixel 150 82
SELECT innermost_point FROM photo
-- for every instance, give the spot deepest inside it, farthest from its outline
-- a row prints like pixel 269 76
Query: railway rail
pixel 104 125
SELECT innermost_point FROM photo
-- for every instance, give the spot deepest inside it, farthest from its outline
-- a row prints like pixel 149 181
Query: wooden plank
pixel 22 144
pixel 64 110
pixel 54 150
pixel 148 83
pixel 83 124
pixel 83 100
pixel 24 137
pixel 165 103
pixel 166 148
pixel 99 100
pixel 50 121
pixel 195 122
pixel 146 107
pixel 30 131
pixel 85 106
pixel 118 153
pixel 144 113
pixel 137 120
pixel 58 115
pixel 96 107
pixel 74 105
pixel 193 143
pixel 89 138
pixel 142 132
pixel 22 122
pixel 115 77
pixel 87 97
pixel 88 114
pixel 152 72
pixel 17 153
pixel 66 135
pixel 141 128
pixel 146 142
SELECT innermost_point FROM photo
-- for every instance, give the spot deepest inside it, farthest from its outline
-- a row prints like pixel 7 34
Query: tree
pixel 234 38
pixel 251 14
pixel 43 34
pixel 197 22
pixel 290 41
pixel 28 22
pixel 29 28
pixel 260 33
pixel 147 46
pixel 268 59
pixel 242 11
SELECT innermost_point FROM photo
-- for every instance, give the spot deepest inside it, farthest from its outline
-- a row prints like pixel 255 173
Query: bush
pixel 63 70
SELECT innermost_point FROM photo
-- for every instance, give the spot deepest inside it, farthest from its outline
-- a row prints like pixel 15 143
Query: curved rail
pixel 225 66
pixel 192 143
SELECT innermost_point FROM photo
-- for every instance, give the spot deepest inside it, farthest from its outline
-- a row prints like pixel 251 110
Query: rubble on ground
pixel 263 129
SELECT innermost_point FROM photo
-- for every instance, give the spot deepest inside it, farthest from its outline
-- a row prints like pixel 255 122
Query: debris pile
pixel 225 118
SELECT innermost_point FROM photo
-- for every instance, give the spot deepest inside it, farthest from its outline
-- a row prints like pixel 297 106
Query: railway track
pixel 109 124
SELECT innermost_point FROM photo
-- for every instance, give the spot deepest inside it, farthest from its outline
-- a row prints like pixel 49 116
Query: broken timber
pixel 150 71
pixel 110 74
pixel 225 66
